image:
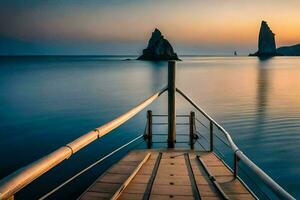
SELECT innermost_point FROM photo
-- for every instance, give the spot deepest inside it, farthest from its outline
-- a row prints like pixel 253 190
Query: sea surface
pixel 46 102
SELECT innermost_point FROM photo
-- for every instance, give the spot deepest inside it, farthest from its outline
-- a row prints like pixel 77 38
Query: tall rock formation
pixel 266 41
pixel 158 48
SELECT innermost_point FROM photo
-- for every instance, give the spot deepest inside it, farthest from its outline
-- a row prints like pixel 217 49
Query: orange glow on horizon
pixel 207 22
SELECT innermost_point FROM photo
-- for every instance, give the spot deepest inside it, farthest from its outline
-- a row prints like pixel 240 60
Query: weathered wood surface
pixel 170 179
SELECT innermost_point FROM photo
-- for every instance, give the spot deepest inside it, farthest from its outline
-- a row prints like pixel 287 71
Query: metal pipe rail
pixel 239 155
pixel 21 178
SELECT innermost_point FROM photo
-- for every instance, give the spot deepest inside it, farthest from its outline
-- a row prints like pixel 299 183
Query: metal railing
pixel 239 155
pixel 149 128
pixel 18 180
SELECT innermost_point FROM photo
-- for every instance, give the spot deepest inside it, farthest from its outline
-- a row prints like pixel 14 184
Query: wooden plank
pixel 104 187
pixel 174 180
pixel 134 157
pixel 198 170
pixel 209 157
pixel 219 171
pixel 173 155
pixel 152 178
pixel 224 180
pixel 128 163
pixel 207 187
pixel 241 197
pixel 96 196
pixel 122 169
pixel 107 184
pixel 172 197
pixel 174 172
pixel 202 180
pixel 192 177
pixel 210 198
pixel 208 191
pixel 169 161
pixel 170 167
pixel 233 187
pixel 127 181
pixel 135 188
pixel 113 178
pixel 141 178
pixel 214 163
pixel 147 170
pixel 172 190
pixel 130 196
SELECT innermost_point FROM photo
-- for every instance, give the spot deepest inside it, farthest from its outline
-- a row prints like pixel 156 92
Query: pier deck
pixel 168 174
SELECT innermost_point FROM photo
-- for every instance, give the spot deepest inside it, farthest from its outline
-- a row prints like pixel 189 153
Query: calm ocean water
pixel 47 102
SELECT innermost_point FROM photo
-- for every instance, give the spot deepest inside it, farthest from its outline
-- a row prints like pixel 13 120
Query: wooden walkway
pixel 168 174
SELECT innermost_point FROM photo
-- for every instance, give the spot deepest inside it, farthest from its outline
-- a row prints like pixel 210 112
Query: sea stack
pixel 158 48
pixel 266 42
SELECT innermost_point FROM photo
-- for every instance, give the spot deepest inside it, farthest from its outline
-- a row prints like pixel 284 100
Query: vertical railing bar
pixel 235 165
pixel 171 104
pixel 149 128
pixel 192 129
pixel 211 132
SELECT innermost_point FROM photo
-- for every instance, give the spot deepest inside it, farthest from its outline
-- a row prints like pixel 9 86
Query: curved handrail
pixel 275 187
pixel 21 178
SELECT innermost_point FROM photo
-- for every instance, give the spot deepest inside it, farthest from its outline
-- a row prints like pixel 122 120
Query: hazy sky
pixel 123 27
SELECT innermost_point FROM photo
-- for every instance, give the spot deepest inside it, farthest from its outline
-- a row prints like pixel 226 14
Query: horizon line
pixel 106 55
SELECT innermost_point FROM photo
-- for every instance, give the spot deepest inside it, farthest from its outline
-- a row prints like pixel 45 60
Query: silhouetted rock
pixel 158 48
pixel 289 50
pixel 266 42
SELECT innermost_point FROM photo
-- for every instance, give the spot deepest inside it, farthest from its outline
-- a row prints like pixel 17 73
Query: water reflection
pixel 262 94
pixel 158 74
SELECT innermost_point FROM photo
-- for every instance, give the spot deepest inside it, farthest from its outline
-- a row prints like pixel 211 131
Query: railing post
pixel 192 129
pixel 235 165
pixel 149 129
pixel 211 133
pixel 171 104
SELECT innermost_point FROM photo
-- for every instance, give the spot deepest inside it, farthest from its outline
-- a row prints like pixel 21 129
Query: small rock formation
pixel 266 42
pixel 289 50
pixel 158 48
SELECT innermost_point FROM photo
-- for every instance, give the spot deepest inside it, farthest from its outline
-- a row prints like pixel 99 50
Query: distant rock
pixel 266 42
pixel 158 48
pixel 289 50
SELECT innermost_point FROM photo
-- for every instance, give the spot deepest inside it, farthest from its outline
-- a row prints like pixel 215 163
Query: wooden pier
pixel 168 174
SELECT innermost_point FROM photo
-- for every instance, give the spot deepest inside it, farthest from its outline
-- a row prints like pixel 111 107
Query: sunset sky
pixel 123 27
